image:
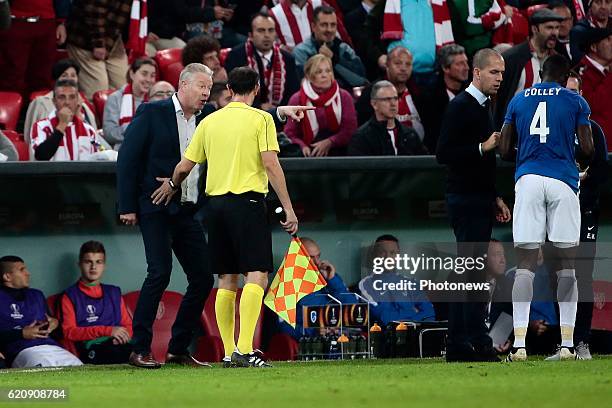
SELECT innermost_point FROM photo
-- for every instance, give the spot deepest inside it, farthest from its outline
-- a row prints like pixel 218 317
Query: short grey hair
pixel 193 68
pixel 447 54
pixel 378 86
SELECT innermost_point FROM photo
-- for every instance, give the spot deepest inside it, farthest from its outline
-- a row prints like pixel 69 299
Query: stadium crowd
pixel 324 54
pixel 379 83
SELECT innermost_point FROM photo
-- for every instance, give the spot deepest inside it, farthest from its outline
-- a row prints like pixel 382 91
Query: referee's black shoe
pixel 253 359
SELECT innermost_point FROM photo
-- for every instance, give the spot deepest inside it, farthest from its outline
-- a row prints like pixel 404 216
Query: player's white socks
pixel 567 296
pixel 522 293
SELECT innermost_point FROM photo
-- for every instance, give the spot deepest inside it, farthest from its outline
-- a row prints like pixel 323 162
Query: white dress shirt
pixel 186 129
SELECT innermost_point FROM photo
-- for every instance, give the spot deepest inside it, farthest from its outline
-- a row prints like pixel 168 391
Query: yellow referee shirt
pixel 231 140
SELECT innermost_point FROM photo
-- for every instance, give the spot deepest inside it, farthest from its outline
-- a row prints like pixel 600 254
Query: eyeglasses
pixel 163 93
pixel 387 99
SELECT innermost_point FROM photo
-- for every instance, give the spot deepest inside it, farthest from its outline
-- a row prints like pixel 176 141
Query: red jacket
pixel 597 90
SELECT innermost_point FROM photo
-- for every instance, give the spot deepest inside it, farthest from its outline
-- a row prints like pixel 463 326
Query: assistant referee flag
pixel 297 277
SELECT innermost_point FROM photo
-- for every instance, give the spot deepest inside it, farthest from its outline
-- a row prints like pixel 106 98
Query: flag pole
pixel 282 215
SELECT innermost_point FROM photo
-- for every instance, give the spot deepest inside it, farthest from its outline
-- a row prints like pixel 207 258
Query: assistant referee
pixel 240 145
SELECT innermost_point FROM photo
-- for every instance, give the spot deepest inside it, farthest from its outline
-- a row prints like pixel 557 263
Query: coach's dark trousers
pixel 162 234
pixel 471 216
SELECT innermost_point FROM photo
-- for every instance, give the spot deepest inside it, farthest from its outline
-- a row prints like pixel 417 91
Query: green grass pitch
pixel 362 383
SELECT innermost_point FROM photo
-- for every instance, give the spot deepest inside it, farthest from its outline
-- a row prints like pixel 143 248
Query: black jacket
pixel 372 139
pixel 237 58
pixel 466 124
pixel 167 18
pixel 515 59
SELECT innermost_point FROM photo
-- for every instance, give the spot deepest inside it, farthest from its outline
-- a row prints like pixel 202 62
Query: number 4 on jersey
pixel 538 124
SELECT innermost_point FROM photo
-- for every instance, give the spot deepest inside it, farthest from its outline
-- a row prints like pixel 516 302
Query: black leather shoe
pixel 487 354
pixel 143 361
pixel 462 353
pixel 185 360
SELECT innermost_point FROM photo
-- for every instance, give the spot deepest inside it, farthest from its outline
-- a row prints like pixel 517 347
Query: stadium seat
pixel 162 327
pixel 23 150
pixel 36 94
pixel 223 52
pixel 99 100
pixel 10 106
pixel 172 73
pixel 167 57
pixel 53 305
pixel 210 347
pixel 602 306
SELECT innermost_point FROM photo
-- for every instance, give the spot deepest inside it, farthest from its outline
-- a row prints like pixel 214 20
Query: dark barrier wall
pixel 48 209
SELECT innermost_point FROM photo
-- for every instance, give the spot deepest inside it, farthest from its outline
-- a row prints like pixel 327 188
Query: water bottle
pixel 376 341
pixel 401 340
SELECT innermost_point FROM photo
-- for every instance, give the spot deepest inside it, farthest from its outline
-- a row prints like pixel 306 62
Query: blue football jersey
pixel 546 117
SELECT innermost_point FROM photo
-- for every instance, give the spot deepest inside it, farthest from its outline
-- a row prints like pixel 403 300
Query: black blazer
pixel 150 149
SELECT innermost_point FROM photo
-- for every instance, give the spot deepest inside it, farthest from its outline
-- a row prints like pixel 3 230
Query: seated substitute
pixel 93 314
pixel 25 322
pixel 393 305
pixel 383 134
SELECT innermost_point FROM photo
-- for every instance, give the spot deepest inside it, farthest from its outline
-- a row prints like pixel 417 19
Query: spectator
pixel 25 321
pixel 597 16
pixel 205 50
pixel 167 20
pixel 63 135
pixel 474 22
pixel 94 42
pixel 354 20
pixel 293 25
pixel 388 306
pixel 348 69
pixel 563 42
pixel 594 69
pixel 523 61
pixel 327 129
pixel 27 47
pixel 123 103
pixel 396 21
pixel 94 315
pixel 399 72
pixel 276 68
pixel 455 72
pixel 383 134
pixel 160 91
pixel 7 149
pixel 42 105
pixel 220 96
pixel 335 287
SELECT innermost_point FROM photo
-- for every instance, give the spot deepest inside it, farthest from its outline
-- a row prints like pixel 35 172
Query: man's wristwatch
pixel 172 185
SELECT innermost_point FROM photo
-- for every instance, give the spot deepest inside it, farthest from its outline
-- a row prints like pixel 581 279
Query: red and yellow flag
pixel 297 277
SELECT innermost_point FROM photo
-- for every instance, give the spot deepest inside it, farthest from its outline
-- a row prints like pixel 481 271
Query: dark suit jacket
pixel 237 58
pixel 151 149
pixel 515 58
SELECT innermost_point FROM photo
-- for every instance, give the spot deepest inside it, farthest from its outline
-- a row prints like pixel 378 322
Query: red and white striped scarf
pixel 393 29
pixel 79 139
pixel 408 115
pixel 274 77
pixel 287 27
pixel 329 100
pixel 127 105
pixel 579 7
pixel 137 37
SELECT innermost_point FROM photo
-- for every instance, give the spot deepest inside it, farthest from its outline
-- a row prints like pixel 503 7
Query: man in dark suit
pixel 276 67
pixel 158 134
pixel 467 146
